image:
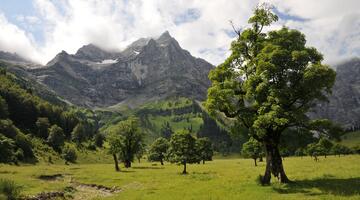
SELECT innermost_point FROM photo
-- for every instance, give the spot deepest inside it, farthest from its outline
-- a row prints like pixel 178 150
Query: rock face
pixel 344 103
pixel 149 69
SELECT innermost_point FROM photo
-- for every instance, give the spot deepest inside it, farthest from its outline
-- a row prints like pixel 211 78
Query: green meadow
pixel 224 178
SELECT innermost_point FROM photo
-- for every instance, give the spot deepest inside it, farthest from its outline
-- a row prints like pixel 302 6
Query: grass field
pixel 351 139
pixel 235 178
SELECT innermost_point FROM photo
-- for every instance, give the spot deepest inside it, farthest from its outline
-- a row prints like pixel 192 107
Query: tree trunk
pixel 255 162
pixel 273 164
pixel 161 161
pixel 116 163
pixel 184 171
pixel 261 159
pixel 203 162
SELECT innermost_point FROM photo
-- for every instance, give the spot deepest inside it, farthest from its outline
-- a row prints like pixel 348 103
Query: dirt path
pixel 90 191
pixel 75 191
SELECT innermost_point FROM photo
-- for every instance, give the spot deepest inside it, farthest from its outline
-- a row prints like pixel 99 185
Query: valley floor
pixel 235 178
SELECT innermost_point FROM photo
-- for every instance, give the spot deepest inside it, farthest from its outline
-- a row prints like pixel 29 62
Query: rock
pixel 149 69
pixel 344 102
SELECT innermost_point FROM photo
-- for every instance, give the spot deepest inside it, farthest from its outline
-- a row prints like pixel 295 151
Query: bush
pixel 24 143
pixel 99 139
pixel 8 129
pixel 356 149
pixel 78 135
pixel 7 148
pixel 9 189
pixel 56 137
pixel 69 154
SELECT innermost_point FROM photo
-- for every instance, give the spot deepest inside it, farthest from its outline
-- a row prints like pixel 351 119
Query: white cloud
pixel 15 40
pixel 28 19
pixel 331 25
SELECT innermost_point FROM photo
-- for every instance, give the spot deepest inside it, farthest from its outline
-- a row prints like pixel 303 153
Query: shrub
pixel 69 154
pixel 356 149
pixel 99 139
pixel 56 137
pixel 7 147
pixel 9 189
pixel 24 143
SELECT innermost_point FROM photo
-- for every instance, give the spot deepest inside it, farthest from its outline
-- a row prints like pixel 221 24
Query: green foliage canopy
pixel 269 83
pixel 182 149
pixel 252 149
pixel 158 149
pixel 204 149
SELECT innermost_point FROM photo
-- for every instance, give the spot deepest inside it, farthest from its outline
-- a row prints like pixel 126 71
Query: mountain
pixel 16 59
pixel 344 103
pixel 149 69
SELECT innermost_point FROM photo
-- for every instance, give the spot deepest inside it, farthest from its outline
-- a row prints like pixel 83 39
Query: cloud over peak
pixel 202 27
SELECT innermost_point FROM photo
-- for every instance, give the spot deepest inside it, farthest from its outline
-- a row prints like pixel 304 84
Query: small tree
pixel 300 152
pixel 252 149
pixel 99 139
pixel 56 137
pixel 339 149
pixel 158 149
pixel 78 135
pixel 314 150
pixel 204 149
pixel 43 126
pixel 69 154
pixel 131 139
pixel 139 154
pixel 182 149
pixel 7 148
pixel 326 145
pixel 116 144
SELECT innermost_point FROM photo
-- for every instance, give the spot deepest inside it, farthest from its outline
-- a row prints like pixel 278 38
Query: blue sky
pixel 39 29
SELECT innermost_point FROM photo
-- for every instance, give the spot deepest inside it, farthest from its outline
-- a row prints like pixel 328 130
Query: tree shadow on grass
pixel 334 186
pixel 148 167
pixel 126 171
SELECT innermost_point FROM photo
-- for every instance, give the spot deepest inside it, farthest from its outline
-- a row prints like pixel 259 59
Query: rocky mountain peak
pixel 166 39
pixel 12 57
pixel 149 69
pixel 94 53
pixel 165 36
pixel 62 56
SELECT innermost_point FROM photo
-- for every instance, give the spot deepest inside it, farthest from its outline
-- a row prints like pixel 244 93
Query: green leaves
pixel 271 80
pixel 182 148
pixel 252 149
pixel 158 149
pixel 126 139
pixel 263 16
pixel 204 149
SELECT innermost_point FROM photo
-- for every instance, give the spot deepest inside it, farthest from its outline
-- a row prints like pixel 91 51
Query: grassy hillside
pixel 178 113
pixel 351 139
pixel 28 121
pixel 220 179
